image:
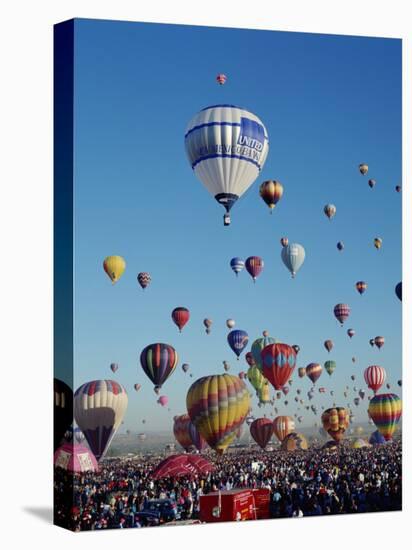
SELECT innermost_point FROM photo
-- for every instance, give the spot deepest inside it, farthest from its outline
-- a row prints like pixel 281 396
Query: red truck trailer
pixel 234 505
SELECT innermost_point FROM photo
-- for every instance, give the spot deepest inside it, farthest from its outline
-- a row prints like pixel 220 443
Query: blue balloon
pixel 293 257
pixel 237 264
pixel 377 438
pixel 398 290
pixel 238 340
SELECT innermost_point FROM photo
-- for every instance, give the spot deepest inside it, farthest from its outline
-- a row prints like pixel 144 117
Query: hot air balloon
pixel 137 387
pixel 330 210
pixel 279 361
pixel 398 188
pixel 207 323
pixel 271 192
pixel 379 341
pixel 377 242
pixel 340 245
pixel 198 441
pixel 226 366
pixel 361 286
pixel 363 168
pixel 254 266
pixel 342 312
pixel 180 316
pixel 328 345
pixel 377 438
pixel 330 366
pixel 256 378
pixel 258 346
pixel 181 431
pixel 296 348
pixel 114 367
pixel 336 421
pixel 285 390
pixel 375 377
pixel 293 256
pixel 353 377
pixel 294 442
pixel 221 79
pixel 185 367
pixel 301 372
pixel 227 147
pixel 356 401
pixel 353 359
pixel 144 279
pixel 400 383
pixel 99 407
pixel 163 400
pixel 350 332
pixel 398 291
pixel 62 410
pixel 362 394
pixel 283 426
pixel 217 406
pixel 261 430
pixel 385 410
pixel 114 266
pixel 237 265
pixel 158 362
pixel 371 183
pixel 284 241
pixel 237 340
pixel 313 372
pixel 372 342
pixel 230 323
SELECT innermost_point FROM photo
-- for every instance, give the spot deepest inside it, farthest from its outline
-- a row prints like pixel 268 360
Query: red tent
pixel 182 465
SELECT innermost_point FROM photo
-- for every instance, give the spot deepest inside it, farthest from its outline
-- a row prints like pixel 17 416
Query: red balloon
pixel 375 377
pixel 261 430
pixel 254 266
pixel 279 362
pixel 180 316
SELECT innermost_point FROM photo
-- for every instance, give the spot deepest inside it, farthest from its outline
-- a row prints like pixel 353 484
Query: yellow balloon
pixel 114 266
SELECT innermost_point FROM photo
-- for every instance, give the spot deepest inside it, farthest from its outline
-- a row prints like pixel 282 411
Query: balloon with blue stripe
pixel 227 147
pixel 237 265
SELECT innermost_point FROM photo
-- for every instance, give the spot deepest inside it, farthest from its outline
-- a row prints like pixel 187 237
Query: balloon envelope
pixel 261 430
pixel 293 256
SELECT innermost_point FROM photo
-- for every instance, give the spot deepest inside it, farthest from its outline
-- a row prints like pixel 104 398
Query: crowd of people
pixel 302 483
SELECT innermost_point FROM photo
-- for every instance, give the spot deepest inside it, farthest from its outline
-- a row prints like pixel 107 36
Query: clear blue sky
pixel 328 103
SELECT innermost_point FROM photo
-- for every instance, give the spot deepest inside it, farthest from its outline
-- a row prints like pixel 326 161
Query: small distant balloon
pixel 221 79
pixel 350 332
pixel 330 210
pixel 207 323
pixel 284 241
pixel 342 312
pixel 114 266
pixel 377 243
pixel 237 264
pixel 379 341
pixel 163 400
pixel 361 286
pixel 137 387
pixel 254 266
pixel 230 323
pixel 363 168
pixel 114 367
pixel 271 192
pixel 398 188
pixel 144 279
pixel 371 183
pixel 180 316
pixel 340 245
pixel 185 367
pixel 328 345
pixel 293 256
pixel 398 291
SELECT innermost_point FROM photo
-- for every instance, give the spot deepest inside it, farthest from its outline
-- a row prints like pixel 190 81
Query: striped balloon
pixel 180 316
pixel 254 266
pixel 279 362
pixel 336 421
pixel 313 372
pixel 144 279
pixel 99 407
pixel 283 426
pixel 375 377
pixel 342 312
pixel 258 346
pixel 271 192
pixel 261 430
pixel 330 366
pixel 385 410
pixel 237 264
pixel 218 406
pixel 158 362
pixel 293 256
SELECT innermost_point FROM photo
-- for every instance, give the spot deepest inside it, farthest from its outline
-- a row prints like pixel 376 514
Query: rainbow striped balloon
pixel 217 406
pixel 385 410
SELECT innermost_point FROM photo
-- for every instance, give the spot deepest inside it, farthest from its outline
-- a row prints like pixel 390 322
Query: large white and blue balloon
pixel 227 147
pixel 293 257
